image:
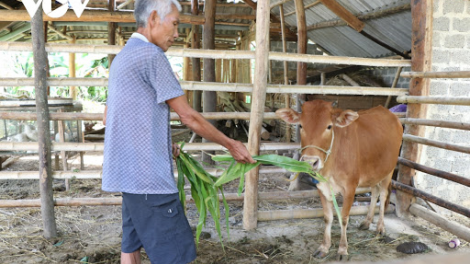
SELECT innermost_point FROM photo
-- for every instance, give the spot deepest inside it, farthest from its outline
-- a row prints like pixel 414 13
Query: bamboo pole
pixel 435 143
pixel 431 198
pixel 394 84
pixel 286 69
pixel 92 16
pixel 438 173
pixel 230 197
pixel 434 100
pixel 312 213
pixel 209 100
pixel 196 44
pixel 435 123
pixel 250 206
pixel 72 72
pixel 215 54
pixel 440 221
pixel 63 153
pixel 301 41
pixel 421 48
pixel 25 146
pixel 111 31
pixel 96 116
pixel 226 87
pixel 97 174
pixel 44 138
pixel 446 74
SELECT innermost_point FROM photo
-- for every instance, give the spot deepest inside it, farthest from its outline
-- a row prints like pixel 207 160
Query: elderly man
pixel 138 148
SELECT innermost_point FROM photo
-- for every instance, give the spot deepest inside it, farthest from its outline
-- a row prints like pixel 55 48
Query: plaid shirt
pixel 137 150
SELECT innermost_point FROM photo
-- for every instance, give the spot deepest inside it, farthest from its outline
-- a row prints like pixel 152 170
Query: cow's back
pixel 367 150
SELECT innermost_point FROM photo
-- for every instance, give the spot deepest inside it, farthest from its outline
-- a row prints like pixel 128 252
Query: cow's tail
pixel 387 201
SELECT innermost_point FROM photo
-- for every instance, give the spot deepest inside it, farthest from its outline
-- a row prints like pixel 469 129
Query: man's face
pixel 163 32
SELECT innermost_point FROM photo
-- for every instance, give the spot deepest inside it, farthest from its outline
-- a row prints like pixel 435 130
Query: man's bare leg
pixel 130 258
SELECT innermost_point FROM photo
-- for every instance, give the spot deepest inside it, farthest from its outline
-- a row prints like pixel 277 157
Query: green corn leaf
pixel 222 158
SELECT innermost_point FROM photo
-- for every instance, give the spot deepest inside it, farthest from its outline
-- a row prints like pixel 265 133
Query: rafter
pixel 344 14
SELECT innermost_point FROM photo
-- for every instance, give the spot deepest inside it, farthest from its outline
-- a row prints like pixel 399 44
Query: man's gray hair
pixel 143 8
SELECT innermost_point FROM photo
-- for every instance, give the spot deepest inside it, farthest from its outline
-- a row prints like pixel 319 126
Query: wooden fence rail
pixel 99 116
pixel 434 100
pixel 312 213
pixel 214 54
pixel 438 173
pixel 442 222
pixel 435 143
pixel 225 87
pixel 31 146
pixel 447 74
pixel 97 174
pixel 232 197
pixel 435 123
pixel 431 198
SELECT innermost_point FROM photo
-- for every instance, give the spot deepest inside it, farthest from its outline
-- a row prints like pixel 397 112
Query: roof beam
pixel 369 16
pixel 279 3
pixel 344 14
pixel 92 16
pixel 306 7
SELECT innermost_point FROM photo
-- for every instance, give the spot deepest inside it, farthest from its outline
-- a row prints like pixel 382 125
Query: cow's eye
pixel 300 126
pixel 329 127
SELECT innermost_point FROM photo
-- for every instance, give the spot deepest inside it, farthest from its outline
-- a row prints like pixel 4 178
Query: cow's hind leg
pixel 348 199
pixel 370 214
pixel 323 249
pixel 385 189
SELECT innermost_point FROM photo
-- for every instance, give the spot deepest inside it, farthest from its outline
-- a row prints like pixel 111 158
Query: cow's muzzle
pixel 315 161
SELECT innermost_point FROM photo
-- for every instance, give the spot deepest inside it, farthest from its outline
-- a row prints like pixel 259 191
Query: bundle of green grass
pixel 205 188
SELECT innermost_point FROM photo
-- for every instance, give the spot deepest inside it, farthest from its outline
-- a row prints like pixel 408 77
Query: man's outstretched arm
pixel 197 123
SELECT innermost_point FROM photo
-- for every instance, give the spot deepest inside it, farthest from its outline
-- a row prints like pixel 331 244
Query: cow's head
pixel 318 121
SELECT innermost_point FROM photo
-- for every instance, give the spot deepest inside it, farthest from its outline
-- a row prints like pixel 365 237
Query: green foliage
pixel 203 191
pixel 238 170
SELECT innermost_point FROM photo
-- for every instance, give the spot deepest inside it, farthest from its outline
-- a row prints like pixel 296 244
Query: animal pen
pixel 270 17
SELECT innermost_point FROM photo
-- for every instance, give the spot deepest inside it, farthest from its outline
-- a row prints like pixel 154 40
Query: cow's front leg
pixel 323 249
pixel 348 199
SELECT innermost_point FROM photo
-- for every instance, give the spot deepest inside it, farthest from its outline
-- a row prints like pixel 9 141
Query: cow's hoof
pixel 319 254
pixel 364 226
pixel 342 258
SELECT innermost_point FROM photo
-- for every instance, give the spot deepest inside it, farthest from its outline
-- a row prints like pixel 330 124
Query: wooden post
pixel 210 97
pixel 301 49
pixel 195 44
pixel 250 208
pixel 286 69
pixel 81 139
pixel 421 13
pixel 63 154
pixel 186 69
pixel 44 137
pixel 73 89
pixel 111 32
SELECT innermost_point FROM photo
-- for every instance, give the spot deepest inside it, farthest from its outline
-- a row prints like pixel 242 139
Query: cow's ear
pixel 346 118
pixel 288 115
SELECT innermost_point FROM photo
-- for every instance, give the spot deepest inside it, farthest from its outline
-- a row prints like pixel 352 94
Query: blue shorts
pixel 157 223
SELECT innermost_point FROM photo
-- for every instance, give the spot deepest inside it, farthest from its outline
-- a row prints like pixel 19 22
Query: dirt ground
pixel 92 233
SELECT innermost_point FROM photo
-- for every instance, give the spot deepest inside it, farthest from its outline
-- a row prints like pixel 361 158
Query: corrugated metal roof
pixel 394 29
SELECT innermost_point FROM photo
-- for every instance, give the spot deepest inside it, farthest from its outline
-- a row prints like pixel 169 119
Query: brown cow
pixel 350 149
